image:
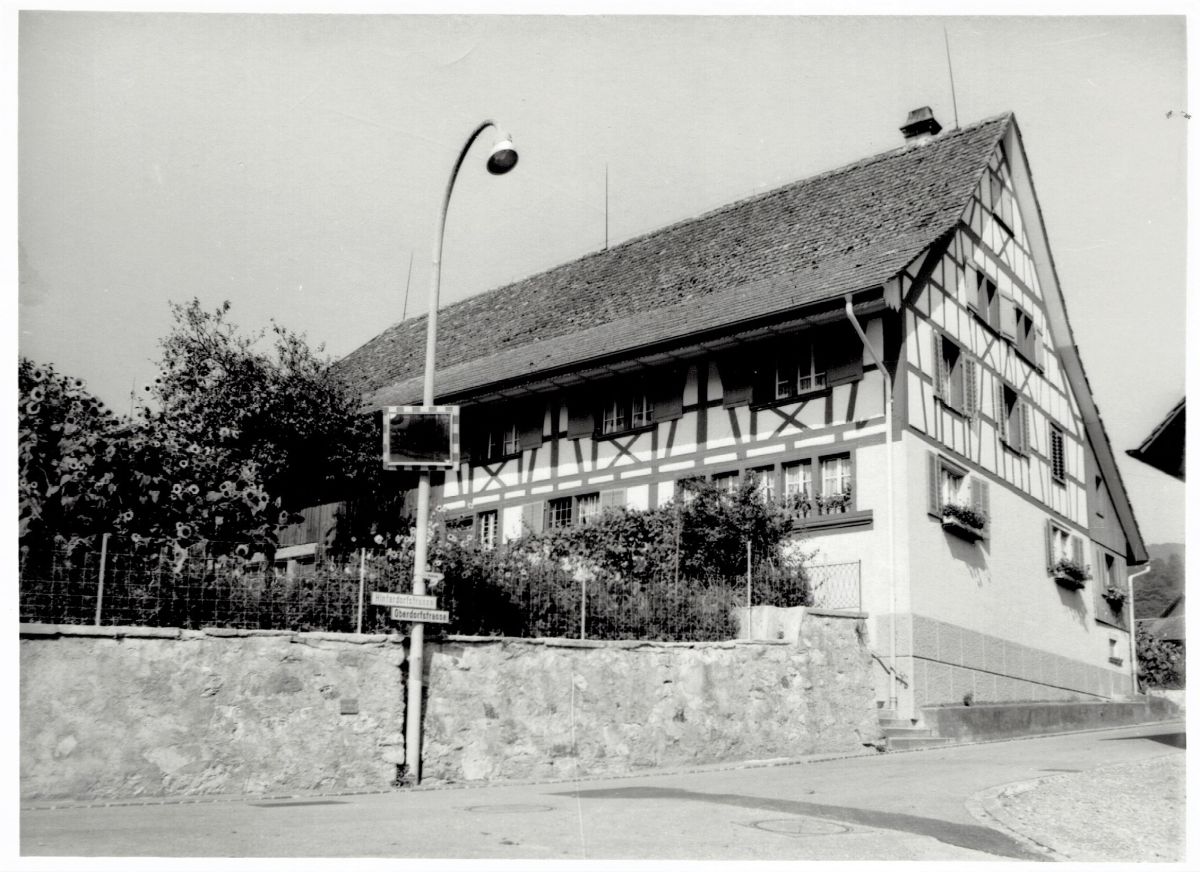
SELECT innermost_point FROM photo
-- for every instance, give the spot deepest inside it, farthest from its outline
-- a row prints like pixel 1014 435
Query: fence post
pixel 100 581
pixel 362 580
pixel 583 605
pixel 749 571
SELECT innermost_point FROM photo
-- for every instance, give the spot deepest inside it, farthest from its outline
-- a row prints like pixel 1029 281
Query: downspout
pixel 891 516
pixel 1133 661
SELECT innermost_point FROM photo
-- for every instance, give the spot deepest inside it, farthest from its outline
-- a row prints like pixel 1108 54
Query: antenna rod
pixel 950 66
pixel 606 207
pixel 407 282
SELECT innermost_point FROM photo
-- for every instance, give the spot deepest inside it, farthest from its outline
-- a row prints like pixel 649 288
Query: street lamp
pixel 501 159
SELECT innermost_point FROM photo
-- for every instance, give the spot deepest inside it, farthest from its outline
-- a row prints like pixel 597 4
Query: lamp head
pixel 502 158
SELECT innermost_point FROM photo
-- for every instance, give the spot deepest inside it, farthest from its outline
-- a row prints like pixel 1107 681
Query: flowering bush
pixel 1115 596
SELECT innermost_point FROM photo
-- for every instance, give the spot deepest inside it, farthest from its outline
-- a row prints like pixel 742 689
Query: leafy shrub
pixel 1160 663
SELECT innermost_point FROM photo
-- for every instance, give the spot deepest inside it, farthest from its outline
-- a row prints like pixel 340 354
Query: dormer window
pixel 801 371
pixel 627 412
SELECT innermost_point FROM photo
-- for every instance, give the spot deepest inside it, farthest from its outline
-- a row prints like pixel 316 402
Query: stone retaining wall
pixel 517 708
pixel 126 712
pixel 108 713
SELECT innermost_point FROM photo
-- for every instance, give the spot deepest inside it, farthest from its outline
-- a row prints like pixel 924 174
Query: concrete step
pixel 908 743
pixel 908 733
pixel 900 723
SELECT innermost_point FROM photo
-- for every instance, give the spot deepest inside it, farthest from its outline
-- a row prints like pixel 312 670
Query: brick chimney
pixel 921 126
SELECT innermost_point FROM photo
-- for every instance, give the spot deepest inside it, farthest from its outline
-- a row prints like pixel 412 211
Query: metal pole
pixel 362 581
pixel 416 654
pixel 100 583
pixel 582 606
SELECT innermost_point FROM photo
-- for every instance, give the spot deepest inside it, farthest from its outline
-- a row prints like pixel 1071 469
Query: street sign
pixel 430 575
pixel 426 616
pixel 404 600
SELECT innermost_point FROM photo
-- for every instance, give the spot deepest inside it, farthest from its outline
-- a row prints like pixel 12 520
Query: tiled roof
pixel 810 241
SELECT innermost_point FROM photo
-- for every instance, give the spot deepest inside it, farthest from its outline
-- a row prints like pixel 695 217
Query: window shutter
pixel 736 381
pixel 845 354
pixel 581 416
pixel 1008 317
pixel 975 299
pixel 533 516
pixel 976 495
pixel 668 395
pixel 1039 349
pixel 529 425
pixel 470 431
pixel 1001 411
pixel 939 368
pixel 612 499
pixel 1077 550
pixel 1024 407
pixel 1049 545
pixel 935 495
pixel 970 389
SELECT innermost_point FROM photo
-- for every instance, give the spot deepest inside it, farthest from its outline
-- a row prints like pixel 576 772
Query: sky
pixel 294 165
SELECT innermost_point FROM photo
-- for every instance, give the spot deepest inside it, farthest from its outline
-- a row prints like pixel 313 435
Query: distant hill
pixel 1157 589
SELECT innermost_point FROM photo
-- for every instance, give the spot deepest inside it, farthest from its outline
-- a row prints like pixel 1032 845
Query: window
pixel 559 512
pixel 1026 335
pixel 764 482
pixel 501 441
pixel 955 380
pixel 797 479
pixel 1058 458
pixel 987 300
pixel 830 493
pixel 801 370
pixel 1012 418
pixel 950 486
pixel 726 482
pixel 565 511
pixel 587 508
pixel 1061 545
pixel 486 526
pixel 625 413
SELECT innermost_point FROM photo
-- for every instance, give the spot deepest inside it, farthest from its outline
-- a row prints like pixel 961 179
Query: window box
pixel 1115 597
pixel 1070 574
pixel 963 521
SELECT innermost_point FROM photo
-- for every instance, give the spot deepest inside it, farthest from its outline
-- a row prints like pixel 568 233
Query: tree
pixel 241 438
pixel 70 468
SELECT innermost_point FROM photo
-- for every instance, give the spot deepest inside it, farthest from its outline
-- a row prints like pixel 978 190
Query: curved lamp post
pixel 501 159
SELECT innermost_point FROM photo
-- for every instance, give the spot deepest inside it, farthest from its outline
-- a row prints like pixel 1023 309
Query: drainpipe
pixel 893 699
pixel 1133 661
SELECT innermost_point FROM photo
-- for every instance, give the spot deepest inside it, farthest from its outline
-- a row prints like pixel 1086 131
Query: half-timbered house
pixel 957 454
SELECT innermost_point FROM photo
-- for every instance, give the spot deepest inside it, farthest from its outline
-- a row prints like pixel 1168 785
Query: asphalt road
pixel 895 806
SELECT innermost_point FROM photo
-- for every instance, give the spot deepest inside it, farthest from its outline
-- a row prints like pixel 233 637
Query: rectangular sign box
pixel 404 600
pixel 424 616
pixel 420 437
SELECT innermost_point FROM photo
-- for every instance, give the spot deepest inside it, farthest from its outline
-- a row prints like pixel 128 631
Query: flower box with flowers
pixel 1069 574
pixel 1114 596
pixel 963 521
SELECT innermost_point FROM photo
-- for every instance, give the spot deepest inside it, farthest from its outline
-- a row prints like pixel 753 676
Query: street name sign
pixel 430 575
pixel 403 600
pixel 426 616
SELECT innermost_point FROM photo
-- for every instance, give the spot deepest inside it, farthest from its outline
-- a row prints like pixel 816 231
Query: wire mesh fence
pixel 489 594
pixel 836 585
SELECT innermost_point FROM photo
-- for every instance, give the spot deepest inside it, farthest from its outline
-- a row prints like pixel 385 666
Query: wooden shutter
pixel 531 418
pixel 668 394
pixel 935 490
pixel 1039 349
pixel 612 499
pixel 1077 550
pixel 844 351
pixel 1008 317
pixel 470 431
pixel 939 368
pixel 737 381
pixel 975 300
pixel 979 496
pixel 1001 411
pixel 533 516
pixel 1049 545
pixel 1024 435
pixel 970 387
pixel 581 416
